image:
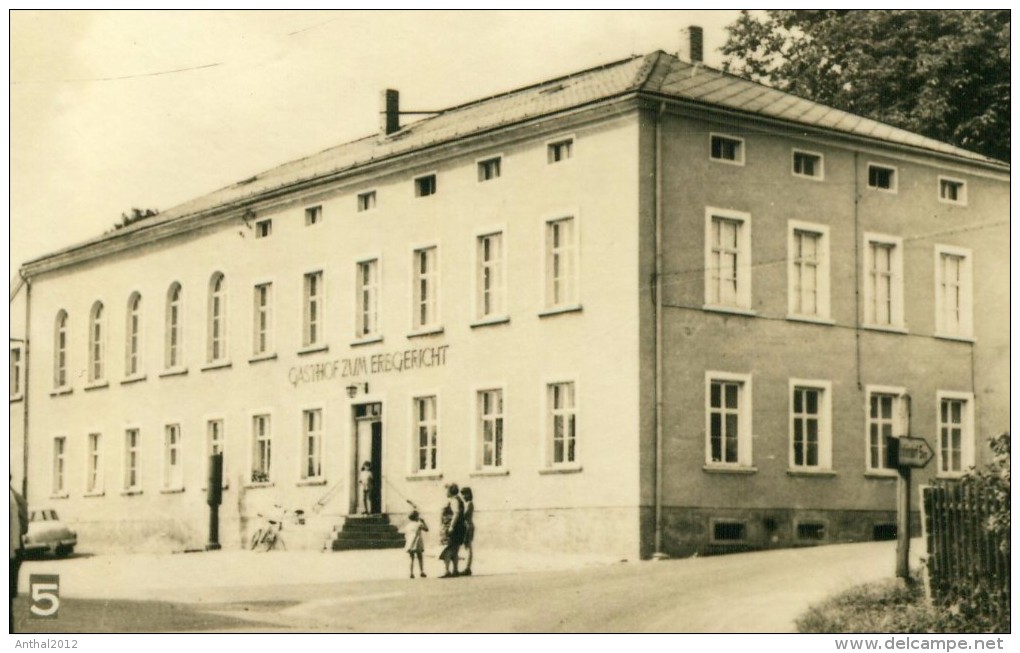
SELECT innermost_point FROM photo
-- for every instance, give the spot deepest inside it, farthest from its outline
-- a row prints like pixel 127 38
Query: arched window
pixel 60 351
pixel 97 335
pixel 133 335
pixel 216 349
pixel 174 320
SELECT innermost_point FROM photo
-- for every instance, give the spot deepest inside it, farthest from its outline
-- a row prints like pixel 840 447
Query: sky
pixel 111 110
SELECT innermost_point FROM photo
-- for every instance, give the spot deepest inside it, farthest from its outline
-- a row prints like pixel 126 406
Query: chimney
pixel 695 42
pixel 389 112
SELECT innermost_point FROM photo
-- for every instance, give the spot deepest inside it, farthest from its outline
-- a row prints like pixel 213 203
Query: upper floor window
pixel 561 262
pixel 808 270
pixel 808 164
pixel 174 327
pixel 264 228
pixel 367 313
pixel 263 319
pixel 956 433
pixel 886 419
pixel 953 290
pixel 490 169
pixel 490 301
pixel 16 365
pixel 728 149
pixel 60 379
pixel 560 150
pixel 728 419
pixel 97 338
pixel 882 177
pixel 425 186
pixel 426 287
pixel 883 282
pixel 313 215
pixel 312 318
pixel 366 201
pixel 952 191
pixel 133 336
pixel 727 259
pixel 217 327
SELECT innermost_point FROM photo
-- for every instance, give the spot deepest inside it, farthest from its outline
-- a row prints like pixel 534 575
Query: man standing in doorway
pixel 19 526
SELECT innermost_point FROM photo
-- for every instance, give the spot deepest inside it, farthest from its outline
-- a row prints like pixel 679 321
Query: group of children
pixel 458 529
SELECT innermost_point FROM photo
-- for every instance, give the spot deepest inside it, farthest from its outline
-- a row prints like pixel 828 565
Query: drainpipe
pixel 26 366
pixel 657 290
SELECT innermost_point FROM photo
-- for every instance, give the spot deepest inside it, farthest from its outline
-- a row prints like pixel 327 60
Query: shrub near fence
pixel 967 534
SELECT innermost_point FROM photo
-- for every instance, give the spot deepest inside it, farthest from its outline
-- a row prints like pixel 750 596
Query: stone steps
pixel 366 532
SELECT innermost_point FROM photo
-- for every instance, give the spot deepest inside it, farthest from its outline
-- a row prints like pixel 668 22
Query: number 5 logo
pixel 45 592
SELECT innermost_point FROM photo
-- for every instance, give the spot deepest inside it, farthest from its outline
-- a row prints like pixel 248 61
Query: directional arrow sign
pixel 914 452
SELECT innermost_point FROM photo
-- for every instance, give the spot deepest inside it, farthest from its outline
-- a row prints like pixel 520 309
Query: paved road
pixel 752 592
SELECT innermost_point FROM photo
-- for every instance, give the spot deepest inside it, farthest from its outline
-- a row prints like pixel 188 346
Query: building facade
pixel 639 308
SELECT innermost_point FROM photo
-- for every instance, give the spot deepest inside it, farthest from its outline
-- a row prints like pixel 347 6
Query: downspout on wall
pixel 658 554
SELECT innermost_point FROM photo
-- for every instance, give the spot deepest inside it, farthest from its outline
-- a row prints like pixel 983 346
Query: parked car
pixel 47 534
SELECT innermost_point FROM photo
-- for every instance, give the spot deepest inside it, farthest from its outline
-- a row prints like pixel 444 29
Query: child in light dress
pixel 414 532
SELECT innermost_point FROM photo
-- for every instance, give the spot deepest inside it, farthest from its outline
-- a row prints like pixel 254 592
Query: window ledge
pixel 312 349
pixel 307 482
pixel 97 385
pixel 560 310
pixel 889 475
pixel 17 398
pixel 716 468
pixel 176 371
pixel 132 379
pixel 90 495
pixel 490 472
pixel 810 473
pixel 205 488
pixel 425 476
pixel 729 162
pixel 491 321
pixel 172 490
pixel 732 310
pixel 65 495
pixel 561 469
pixel 218 365
pixel 253 486
pixel 130 493
pixel 262 357
pixel 429 331
pixel 66 390
pixel 810 318
pixel 368 340
pixel 886 328
pixel 953 336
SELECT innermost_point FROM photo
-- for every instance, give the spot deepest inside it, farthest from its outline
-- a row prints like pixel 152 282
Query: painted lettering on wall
pixel 343 368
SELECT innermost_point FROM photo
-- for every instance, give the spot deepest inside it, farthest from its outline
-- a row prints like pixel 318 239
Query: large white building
pixel 553 295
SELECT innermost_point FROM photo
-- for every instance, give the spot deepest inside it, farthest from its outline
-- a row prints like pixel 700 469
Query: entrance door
pixel 368 418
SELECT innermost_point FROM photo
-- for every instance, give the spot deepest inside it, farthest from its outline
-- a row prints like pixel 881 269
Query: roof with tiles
pixel 656 74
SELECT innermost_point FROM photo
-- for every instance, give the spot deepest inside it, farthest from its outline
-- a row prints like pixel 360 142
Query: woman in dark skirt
pixel 453 531
pixel 469 527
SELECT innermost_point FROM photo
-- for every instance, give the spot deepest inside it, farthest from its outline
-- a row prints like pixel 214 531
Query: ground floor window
pixel 886 419
pixel 810 425
pixel 311 442
pixel 956 433
pixel 59 462
pixel 173 470
pixel 490 426
pixel 93 476
pixel 426 434
pixel 728 423
pixel 261 449
pixel 562 422
pixel 132 443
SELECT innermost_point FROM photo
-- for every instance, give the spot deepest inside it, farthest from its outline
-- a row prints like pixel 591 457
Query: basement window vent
pixel 729 531
pixel 810 531
pixel 883 532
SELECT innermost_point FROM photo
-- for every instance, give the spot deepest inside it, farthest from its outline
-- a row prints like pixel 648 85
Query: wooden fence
pixel 967 563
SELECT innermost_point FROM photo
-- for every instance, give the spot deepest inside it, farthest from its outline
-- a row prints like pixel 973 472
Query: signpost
pixel 905 453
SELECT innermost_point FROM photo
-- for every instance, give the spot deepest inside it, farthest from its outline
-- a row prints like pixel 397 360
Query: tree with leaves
pixel 940 73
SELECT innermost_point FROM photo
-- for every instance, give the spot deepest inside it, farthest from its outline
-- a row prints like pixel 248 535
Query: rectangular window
pixel 490 276
pixel 262 442
pixel 886 419
pixel 366 201
pixel 562 423
pixel 807 164
pixel 133 362
pixel 882 178
pixel 489 169
pixel 953 284
pixel 263 228
pixel 131 451
pixel 727 259
pixel 728 419
pixel 97 343
pixel 313 215
pixel 426 434
pixel 426 287
pixel 59 466
pixel 490 427
pixel 561 262
pixel 952 191
pixel 215 444
pixel 728 531
pixel 808 271
pixel 15 388
pixel 728 149
pixel 560 150
pixel 313 294
pixel 93 474
pixel 263 319
pixel 311 444
pixel 60 351
pixel 956 433
pixel 367 314
pixel 173 467
pixel 810 425
pixel 883 289
pixel 425 186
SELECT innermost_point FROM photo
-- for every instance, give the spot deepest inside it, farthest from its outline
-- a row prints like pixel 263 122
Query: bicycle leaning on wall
pixel 267 537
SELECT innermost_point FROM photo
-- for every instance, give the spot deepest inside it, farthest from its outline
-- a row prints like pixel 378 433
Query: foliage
pixel 994 479
pixel 883 607
pixel 943 74
pixel 135 216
